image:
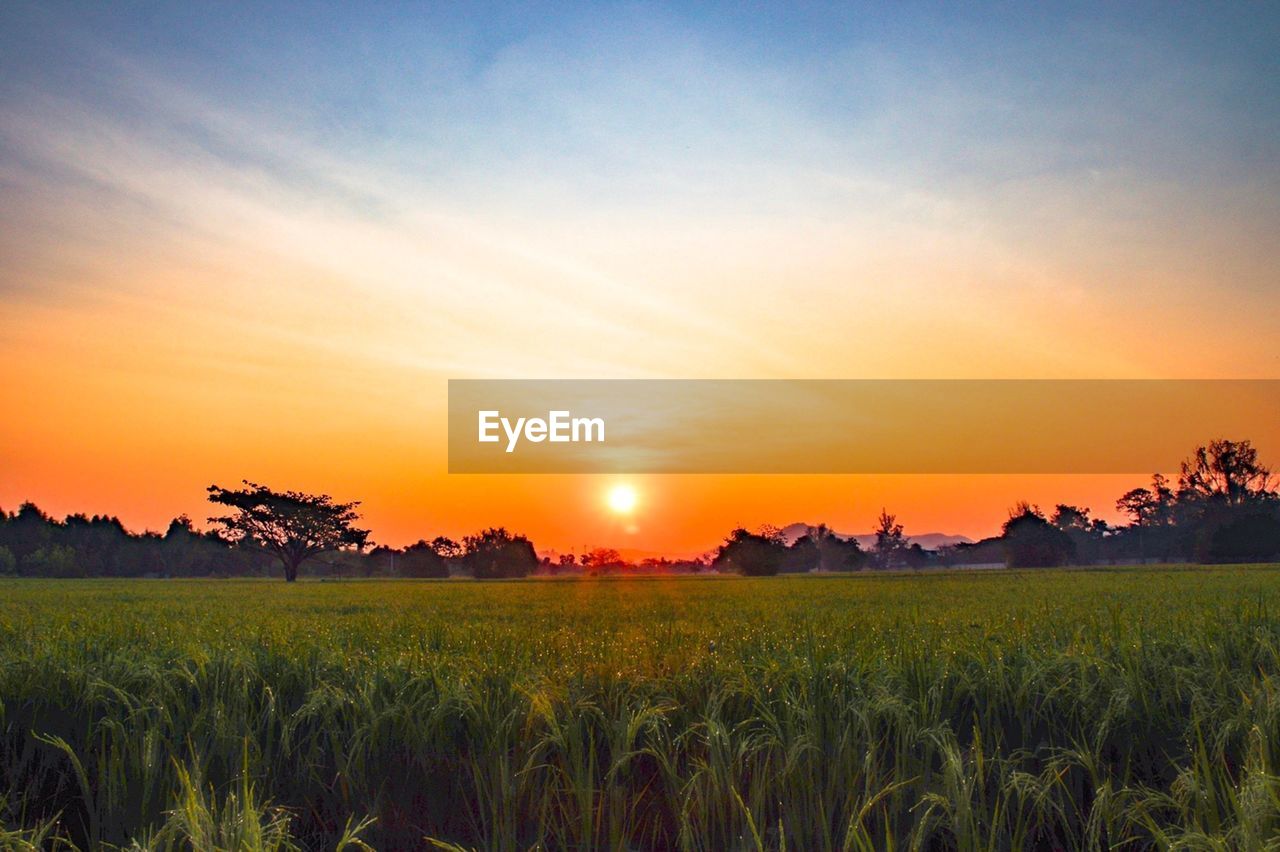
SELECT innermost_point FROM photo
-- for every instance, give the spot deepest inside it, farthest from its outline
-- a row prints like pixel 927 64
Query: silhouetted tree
pixel 496 554
pixel 382 560
pixel 844 554
pixel 750 554
pixel 1243 536
pixel 102 547
pixel 1086 534
pixel 820 549
pixel 1030 541
pixel 182 549
pixel 801 556
pixel 1165 500
pixel 823 539
pixel 601 557
pixel 53 560
pixel 26 532
pixel 1150 512
pixel 834 553
pixel 446 548
pixel 1226 506
pixel 425 560
pixel 891 544
pixel 1225 472
pixel 1139 504
pixel 290 525
pixel 1067 517
pixel 915 556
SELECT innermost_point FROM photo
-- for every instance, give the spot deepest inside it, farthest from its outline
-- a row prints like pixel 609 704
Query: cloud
pixel 629 194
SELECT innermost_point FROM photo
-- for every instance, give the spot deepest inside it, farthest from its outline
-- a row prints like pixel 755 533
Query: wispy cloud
pixel 632 194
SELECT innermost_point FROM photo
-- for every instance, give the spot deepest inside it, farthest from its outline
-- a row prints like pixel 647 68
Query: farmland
pixel 1069 709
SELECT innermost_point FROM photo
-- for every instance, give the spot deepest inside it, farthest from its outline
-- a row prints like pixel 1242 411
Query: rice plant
pixel 1074 710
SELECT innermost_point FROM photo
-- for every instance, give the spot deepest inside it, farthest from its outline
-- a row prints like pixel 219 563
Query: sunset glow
pixel 639 426
pixel 259 248
pixel 622 499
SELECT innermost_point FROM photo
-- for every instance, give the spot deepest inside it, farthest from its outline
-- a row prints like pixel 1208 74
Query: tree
pixel 821 536
pixel 802 555
pixel 1226 509
pixel 1030 541
pixel 1225 472
pixel 1247 535
pixel 833 552
pixel 1139 504
pixel 101 545
pixel 820 549
pixel 54 560
pixel 496 554
pixel 27 531
pixel 446 548
pixel 1067 517
pixel 1146 507
pixel 1164 498
pixel 426 559
pixel 291 525
pixel 751 554
pixel 890 542
pixel 1151 513
pixel 1086 534
pixel 601 557
pixel 838 554
pixel 186 552
pixel 381 560
pixel 915 556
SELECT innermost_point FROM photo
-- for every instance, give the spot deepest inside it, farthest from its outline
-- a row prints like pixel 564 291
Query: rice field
pixel 1061 709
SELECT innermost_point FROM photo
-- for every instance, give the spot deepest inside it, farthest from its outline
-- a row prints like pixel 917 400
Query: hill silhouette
pixel 929 541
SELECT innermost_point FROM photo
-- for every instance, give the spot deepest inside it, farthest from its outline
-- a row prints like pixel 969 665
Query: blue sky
pixel 599 97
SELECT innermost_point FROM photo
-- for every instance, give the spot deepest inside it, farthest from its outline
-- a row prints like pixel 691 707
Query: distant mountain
pixel 791 532
pixel 929 541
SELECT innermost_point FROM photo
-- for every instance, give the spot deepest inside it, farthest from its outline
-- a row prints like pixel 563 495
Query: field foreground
pixel 1052 709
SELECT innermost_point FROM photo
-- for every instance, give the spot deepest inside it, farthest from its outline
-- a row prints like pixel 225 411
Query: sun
pixel 622 499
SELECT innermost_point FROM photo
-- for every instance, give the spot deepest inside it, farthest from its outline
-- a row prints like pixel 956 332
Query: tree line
pixel 262 532
pixel 1222 508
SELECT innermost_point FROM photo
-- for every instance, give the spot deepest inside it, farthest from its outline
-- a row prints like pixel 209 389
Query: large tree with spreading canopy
pixel 291 525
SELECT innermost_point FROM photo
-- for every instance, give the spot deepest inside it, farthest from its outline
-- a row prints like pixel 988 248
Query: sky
pixel 255 241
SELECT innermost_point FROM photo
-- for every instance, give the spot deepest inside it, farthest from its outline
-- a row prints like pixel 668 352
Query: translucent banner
pixel 850 426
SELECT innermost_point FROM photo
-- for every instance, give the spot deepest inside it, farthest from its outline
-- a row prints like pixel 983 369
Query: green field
pixel 1052 709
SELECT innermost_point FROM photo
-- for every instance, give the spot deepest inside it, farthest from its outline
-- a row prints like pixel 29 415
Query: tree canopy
pixel 497 554
pixel 752 554
pixel 1225 472
pixel 291 525
pixel 1033 542
pixel 891 544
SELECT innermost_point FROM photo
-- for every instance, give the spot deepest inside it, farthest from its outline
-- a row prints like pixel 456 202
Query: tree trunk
pixel 290 571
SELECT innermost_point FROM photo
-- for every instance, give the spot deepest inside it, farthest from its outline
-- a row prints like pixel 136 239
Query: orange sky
pixel 144 448
pixel 228 255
